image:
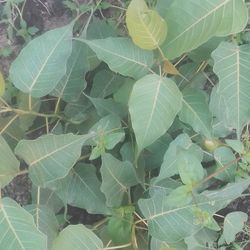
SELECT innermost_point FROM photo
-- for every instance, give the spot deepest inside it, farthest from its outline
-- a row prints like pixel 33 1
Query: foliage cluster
pixel 145 123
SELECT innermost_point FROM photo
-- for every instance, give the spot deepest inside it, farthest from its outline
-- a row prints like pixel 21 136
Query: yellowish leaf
pixel 2 85
pixel 146 27
pixel 169 68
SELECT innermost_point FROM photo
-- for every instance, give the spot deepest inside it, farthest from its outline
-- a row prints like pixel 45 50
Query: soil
pixel 47 15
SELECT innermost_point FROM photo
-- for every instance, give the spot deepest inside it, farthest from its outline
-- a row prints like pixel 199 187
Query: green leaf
pixel 2 85
pixel 231 64
pixel 166 185
pixel 42 63
pixel 195 111
pixel 45 220
pixel 153 105
pixel 156 244
pixel 162 6
pixel 202 240
pixel 189 167
pixel 120 225
pixel 166 223
pixel 236 145
pixel 117 177
pixel 169 165
pixel 50 157
pixel 203 52
pixel 47 198
pixel 174 224
pixel 146 27
pixel 233 224
pixel 108 106
pixel 26 121
pixel 77 237
pixel 105 83
pixel 192 23
pixel 180 196
pixel 17 228
pixel 154 153
pixel 9 165
pixel 99 29
pixel 73 83
pixel 225 157
pixel 81 188
pixel 123 94
pixel 109 133
pixel 122 56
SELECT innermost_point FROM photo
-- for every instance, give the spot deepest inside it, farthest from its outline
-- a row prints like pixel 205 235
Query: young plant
pixel 150 130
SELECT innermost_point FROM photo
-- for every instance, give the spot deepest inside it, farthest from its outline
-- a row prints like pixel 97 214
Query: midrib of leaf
pixel 46 60
pixel 123 57
pixel 238 87
pixel 196 115
pixel 148 31
pixel 153 109
pixel 182 208
pixel 199 20
pixel 12 228
pixel 67 79
pixel 102 94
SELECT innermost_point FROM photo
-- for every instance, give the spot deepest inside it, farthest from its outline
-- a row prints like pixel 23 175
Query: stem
pixel 47 124
pixel 8 124
pixel 30 102
pixel 37 204
pixel 118 247
pixel 209 177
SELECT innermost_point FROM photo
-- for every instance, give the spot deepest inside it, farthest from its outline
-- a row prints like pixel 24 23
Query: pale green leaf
pixel 73 82
pixel 174 224
pixel 17 228
pixel 9 165
pixel 195 111
pixel 180 196
pixel 42 63
pixel 50 157
pixel 217 107
pixel 81 188
pixel 192 23
pixel 233 224
pixel 232 64
pixel 146 27
pixel 117 177
pixel 77 237
pixel 122 56
pixel 45 220
pixel 169 165
pixel 153 106
pixel 189 167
